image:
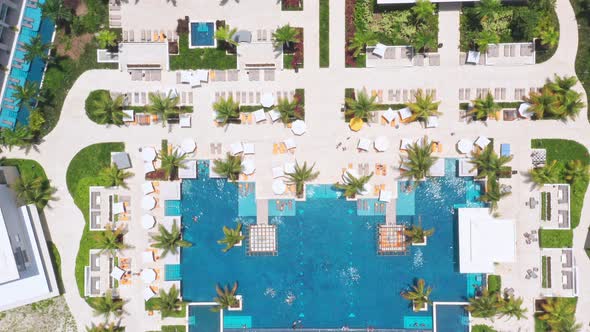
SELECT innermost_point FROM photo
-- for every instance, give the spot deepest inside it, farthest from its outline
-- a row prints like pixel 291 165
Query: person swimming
pixel 195 219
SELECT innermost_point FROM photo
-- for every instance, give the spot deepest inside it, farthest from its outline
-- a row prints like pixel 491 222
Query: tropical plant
pixel 300 175
pixel 353 185
pixel 417 234
pixel 286 110
pixel 225 33
pixel 557 311
pixel 576 170
pixel 486 305
pixel 105 327
pixel 423 10
pixel 106 38
pixel 36 120
pixel 488 163
pixel 165 107
pixel 360 40
pixel 419 160
pixel 104 109
pixel 37 191
pixel 561 84
pixel 486 9
pixel 549 37
pixel 419 294
pixel 570 105
pixel 423 107
pixel 108 305
pixel 542 103
pixel 111 241
pixel 232 236
pixel 57 12
pixel 169 241
pixel 493 194
pixel 21 136
pixel 169 302
pixel 569 325
pixel 35 48
pixel 226 110
pixel 226 297
pixel 25 94
pixel 230 168
pixel 285 35
pixel 361 107
pixel 485 38
pixel 424 40
pixel 115 177
pixel 484 108
pixel 512 307
pixel 545 175
pixel 171 162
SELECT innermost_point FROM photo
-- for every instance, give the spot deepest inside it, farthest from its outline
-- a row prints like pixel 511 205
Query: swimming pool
pixel 327 273
pixel 172 208
pixel 451 318
pixel 202 34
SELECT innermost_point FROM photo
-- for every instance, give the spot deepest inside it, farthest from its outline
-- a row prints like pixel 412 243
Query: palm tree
pixel 301 175
pixel 424 40
pixel 106 39
pixel 419 295
pixel 286 110
pixel 569 325
pixel 512 307
pixel 226 297
pixel 36 49
pixel 171 162
pixel 26 93
pixel 352 185
pixel 20 136
pixel 549 37
pixel 488 163
pixel 361 107
pixel 484 108
pixel 36 120
pixel 285 35
pixel 169 302
pixel 544 175
pixel 562 84
pixel 423 10
pixel 417 234
pixel 57 12
pixel 232 236
pixel 37 191
pixel 570 105
pixel 226 109
pixel 107 110
pixel 557 311
pixel 107 306
pixel 493 195
pixel 169 241
pixel 542 103
pixel 165 107
pixel 485 306
pixel 360 40
pixel 105 327
pixel 485 38
pixel 225 33
pixel 111 241
pixel 485 9
pixel 115 177
pixel 230 168
pixel 423 107
pixel 419 160
pixel 576 170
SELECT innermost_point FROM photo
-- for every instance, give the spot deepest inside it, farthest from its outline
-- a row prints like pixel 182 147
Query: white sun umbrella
pixel 279 187
pixel 148 203
pixel 188 145
pixel 364 144
pixel 298 127
pixel 352 173
pixel 482 142
pixel 464 145
pixel 148 293
pixel 147 188
pixel 381 143
pixel 236 148
pixel 248 166
pixel 117 273
pixel 148 221
pixel 147 256
pixel 385 196
pixel 267 100
pixel 148 275
pixel 172 93
pixel 289 167
pixel 148 153
pixel 389 115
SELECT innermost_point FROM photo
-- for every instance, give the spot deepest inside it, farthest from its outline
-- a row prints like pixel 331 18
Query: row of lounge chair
pixel 128 36
pixel 511 50
pixel 400 95
pixel 141 98
pixel 223 75
pixel 468 94
pixel 250 97
pixel 145 74
pixel 267 74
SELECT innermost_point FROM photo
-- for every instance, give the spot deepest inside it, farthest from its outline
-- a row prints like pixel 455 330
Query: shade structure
pixel 118 207
pixel 236 148
pixel 482 142
pixel 148 293
pixel 405 143
pixel 356 124
pixel 148 275
pixel 298 127
pixel 379 50
pixel 390 115
pixel 148 153
pixel 289 167
pixel 148 203
pixel 405 113
pixel 267 99
pixel 473 57
pixel 381 144
pixel 259 115
pixel 432 122
pixel 148 221
pixel 279 187
pixel 248 166
pixel 188 145
pixel 147 256
pixel 117 273
pixel 274 115
pixel 352 172
pixel 385 196
pixel 464 145
pixel 147 188
pixel 364 144
pixel 249 148
pixel 290 143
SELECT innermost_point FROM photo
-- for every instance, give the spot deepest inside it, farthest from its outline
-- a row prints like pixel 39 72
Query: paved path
pixel 324 98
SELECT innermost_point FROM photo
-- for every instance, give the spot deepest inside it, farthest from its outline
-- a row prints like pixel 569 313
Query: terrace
pixel 558 273
pixel 555 206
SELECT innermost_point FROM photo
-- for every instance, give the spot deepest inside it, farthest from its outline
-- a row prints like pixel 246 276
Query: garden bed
pixel 324 33
pixel 350 93
pixel 293 57
pixel 494 283
pixel 583 55
pixel 201 58
pixel 152 305
pixel 292 5
pixel 556 238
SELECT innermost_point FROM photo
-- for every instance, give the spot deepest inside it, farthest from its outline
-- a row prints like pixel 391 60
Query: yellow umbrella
pixel 356 124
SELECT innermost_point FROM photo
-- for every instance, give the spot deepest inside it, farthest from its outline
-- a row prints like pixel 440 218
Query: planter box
pixel 239 244
pixel 239 306
pixel 423 244
pixel 424 308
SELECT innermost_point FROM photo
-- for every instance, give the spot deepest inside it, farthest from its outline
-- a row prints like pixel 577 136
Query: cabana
pixel 117 273
pixel 121 160
pixel 274 115
pixel 473 57
pixel 385 196
pixel 364 144
pixel 466 168
pixel 432 122
pixel 188 169
pixel 248 148
pixel 438 168
pixel 128 115
pixel 464 145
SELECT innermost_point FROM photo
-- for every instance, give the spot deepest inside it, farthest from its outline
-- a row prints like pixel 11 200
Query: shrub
pixel 494 283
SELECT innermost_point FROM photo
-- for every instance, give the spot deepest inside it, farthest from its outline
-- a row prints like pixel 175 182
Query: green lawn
pixel 494 283
pixel 324 33
pixel 26 167
pixel 83 173
pixel 56 262
pixel 556 238
pixel 544 271
pixel 582 11
pixel 201 58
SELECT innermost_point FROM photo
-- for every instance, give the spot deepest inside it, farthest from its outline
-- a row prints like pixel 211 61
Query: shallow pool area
pixel 202 34
pixel 327 273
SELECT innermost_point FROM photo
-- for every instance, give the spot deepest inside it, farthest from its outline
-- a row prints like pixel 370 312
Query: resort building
pixel 26 271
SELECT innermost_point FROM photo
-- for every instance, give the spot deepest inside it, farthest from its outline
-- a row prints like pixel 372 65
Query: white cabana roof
pixel 364 144
pixel 381 144
pixel 405 143
pixel 185 76
pixel 267 99
pixel 279 187
pixel 290 143
pixel 379 50
pixel 147 256
pixel 484 240
pixel 432 122
pixel 405 113
pixel 274 115
pixel 259 115
pixel 438 168
pixel 298 127
pixel 523 110
pixel 170 190
pixel 482 142
pixel 385 196
pixel 390 115
pixel 148 203
pixel 464 145
pixel 147 188
pixel 117 273
pixel 248 166
pixel 236 148
pixel 148 221
pixel 188 145
pixel 148 293
pixel 148 275
pixel 189 171
pixel 249 148
pixel 148 153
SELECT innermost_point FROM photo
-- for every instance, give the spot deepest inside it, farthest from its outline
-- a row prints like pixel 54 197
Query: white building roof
pixel 484 240
pixel 8 269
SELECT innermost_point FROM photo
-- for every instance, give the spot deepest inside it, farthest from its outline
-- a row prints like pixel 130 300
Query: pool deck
pixel 326 128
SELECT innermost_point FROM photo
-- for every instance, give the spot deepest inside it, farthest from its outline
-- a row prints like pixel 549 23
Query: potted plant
pixel 419 295
pixel 227 299
pixel 418 236
pixel 233 237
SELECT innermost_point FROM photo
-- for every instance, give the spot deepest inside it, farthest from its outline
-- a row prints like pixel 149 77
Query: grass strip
pixel 324 33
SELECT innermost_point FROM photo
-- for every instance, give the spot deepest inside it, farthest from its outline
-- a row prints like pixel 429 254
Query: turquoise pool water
pixel 202 319
pixel 172 208
pixel 172 272
pixel 417 322
pixel 282 207
pixel 247 199
pixel 475 282
pixel 327 273
pixel 202 34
